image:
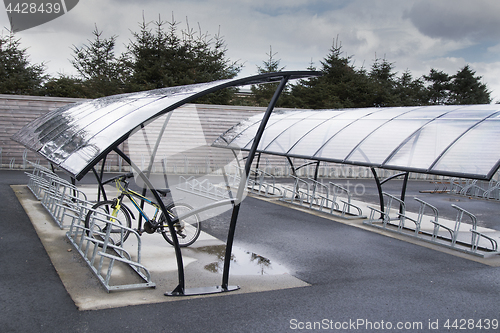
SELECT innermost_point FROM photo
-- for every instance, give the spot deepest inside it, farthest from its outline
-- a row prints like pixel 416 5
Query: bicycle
pixel 188 229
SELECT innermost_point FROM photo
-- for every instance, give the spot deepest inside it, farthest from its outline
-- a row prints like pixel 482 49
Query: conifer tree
pixel 100 70
pixel 263 93
pixel 17 74
pixel 162 57
pixel 409 91
pixel 438 89
pixel 383 83
pixel 467 88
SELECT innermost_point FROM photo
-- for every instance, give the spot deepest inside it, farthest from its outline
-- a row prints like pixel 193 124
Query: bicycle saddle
pixel 163 192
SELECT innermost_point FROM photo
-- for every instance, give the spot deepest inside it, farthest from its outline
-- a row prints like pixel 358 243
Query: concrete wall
pixel 17 111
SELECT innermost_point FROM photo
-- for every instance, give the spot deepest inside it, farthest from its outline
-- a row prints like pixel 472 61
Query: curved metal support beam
pixel 294 172
pixel 380 183
pixel 234 217
pixel 316 171
pixel 261 78
pixel 379 189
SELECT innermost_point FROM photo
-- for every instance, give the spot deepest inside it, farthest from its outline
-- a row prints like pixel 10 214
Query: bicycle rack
pixel 258 184
pixel 58 196
pixel 101 255
pixel 452 234
pixel 202 188
pixel 39 180
pixel 65 203
pixel 314 195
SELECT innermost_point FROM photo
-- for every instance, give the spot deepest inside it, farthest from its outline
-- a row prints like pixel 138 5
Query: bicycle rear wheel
pixel 188 229
pixel 97 221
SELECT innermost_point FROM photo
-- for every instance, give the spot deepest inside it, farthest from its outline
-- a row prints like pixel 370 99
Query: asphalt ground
pixel 359 280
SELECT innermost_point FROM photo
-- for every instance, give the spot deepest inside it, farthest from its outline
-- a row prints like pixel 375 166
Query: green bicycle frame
pixel 131 195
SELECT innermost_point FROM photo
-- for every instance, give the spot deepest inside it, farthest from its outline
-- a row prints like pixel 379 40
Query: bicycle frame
pixel 187 230
pixel 124 191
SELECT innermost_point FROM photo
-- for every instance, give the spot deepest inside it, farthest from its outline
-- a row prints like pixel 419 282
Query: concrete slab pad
pixel 493 260
pixel 201 262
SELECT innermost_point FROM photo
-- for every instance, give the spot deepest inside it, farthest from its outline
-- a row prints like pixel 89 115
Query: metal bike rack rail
pixel 39 180
pixel 59 196
pixel 317 196
pixel 101 255
pixel 202 188
pixel 455 235
pixel 68 206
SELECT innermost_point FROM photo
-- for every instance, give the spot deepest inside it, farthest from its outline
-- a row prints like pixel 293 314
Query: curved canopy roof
pixel 462 141
pixel 78 136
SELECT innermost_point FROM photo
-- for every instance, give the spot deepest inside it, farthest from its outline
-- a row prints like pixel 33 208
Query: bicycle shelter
pixel 75 138
pixel 458 141
pixel 445 140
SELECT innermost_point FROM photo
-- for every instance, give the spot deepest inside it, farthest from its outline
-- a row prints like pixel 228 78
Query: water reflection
pixel 242 262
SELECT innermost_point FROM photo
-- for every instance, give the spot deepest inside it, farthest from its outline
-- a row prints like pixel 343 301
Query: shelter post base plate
pixel 202 291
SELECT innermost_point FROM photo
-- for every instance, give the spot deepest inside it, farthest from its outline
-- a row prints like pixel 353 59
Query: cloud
pixel 458 20
pixel 309 7
pixel 413 34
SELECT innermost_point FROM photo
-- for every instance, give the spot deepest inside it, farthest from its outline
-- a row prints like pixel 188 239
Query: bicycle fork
pixel 116 207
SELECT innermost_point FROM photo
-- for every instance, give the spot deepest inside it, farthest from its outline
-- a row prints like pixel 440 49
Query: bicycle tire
pixel 117 235
pixel 188 230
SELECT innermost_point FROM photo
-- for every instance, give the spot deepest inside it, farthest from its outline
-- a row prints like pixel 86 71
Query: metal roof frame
pixel 345 137
pixel 67 139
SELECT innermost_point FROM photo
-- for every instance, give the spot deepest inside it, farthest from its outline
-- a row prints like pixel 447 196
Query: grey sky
pixel 413 34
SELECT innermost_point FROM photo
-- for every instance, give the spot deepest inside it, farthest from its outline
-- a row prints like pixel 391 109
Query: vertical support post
pixel 100 187
pixel 379 188
pixel 294 173
pixel 99 180
pixel 316 171
pixel 403 190
pixel 257 165
pixel 248 164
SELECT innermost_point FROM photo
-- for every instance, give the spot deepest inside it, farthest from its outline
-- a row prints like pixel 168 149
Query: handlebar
pixel 162 192
pixel 119 177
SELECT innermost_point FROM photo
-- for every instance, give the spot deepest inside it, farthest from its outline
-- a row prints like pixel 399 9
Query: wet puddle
pixel 242 262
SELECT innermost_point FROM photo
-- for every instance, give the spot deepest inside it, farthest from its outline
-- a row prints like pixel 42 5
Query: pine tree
pixel 163 57
pixel 66 86
pixel 263 93
pixel 383 83
pixel 438 89
pixel 409 91
pixel 342 86
pixel 466 88
pixel 100 70
pixel 17 74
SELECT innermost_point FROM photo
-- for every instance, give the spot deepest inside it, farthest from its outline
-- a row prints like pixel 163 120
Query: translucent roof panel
pixel 378 145
pixel 294 132
pixel 78 136
pixel 465 149
pixel 451 140
pixel 427 144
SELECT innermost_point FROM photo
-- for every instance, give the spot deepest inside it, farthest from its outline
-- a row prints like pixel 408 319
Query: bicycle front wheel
pixel 188 229
pixel 104 215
